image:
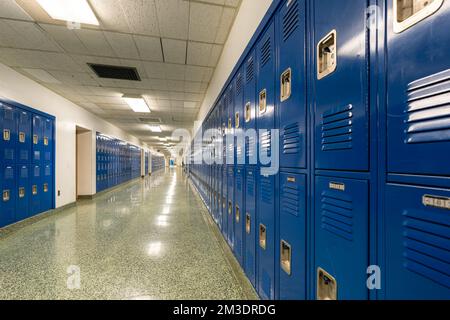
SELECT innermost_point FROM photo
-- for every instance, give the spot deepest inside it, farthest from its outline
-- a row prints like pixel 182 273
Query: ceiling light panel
pixel 137 104
pixel 69 10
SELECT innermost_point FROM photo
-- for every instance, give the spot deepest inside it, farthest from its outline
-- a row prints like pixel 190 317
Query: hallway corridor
pixel 148 239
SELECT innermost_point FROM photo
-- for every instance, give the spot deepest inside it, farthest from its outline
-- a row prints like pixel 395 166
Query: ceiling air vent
pixel 115 72
pixel 150 120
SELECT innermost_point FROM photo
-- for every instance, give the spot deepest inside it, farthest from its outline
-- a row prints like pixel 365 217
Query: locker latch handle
pixel 34 190
pixel 247 223
pixel 326 285
pixel 262 236
pixel 238 214
pixel 224 203
pixel 263 101
pixel 45 141
pixel 45 187
pixel 286 256
pixel 236 120
pixel 6 195
pixel 22 137
pixel 327 55
pixel 230 208
pixel 6 135
pixel 248 113
pixel 286 85
pixel 35 139
pixel 21 192
pixel 230 123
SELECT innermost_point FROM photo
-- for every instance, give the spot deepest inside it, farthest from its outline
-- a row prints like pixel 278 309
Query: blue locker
pixel 24 192
pixel 292 113
pixel 224 201
pixel 36 191
pixel 238 119
pixel 239 214
pixel 250 109
pixel 229 98
pixel 341 238
pixel 266 236
pixel 47 188
pixel 38 141
pixel 47 141
pixel 418 83
pixel 230 205
pixel 251 231
pixel 8 126
pixel 417 233
pixel 341 85
pixel 292 239
pixel 219 196
pixel 24 119
pixel 8 200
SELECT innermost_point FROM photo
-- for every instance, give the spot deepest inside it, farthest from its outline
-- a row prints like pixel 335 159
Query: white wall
pixel 247 21
pixel 17 87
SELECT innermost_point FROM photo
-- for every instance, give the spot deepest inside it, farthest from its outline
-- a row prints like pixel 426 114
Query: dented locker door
pixel 417 231
pixel 292 242
pixel 266 235
pixel 251 232
pixel 8 126
pixel 341 238
pixel 418 87
pixel 291 77
pixel 24 119
pixel 239 212
pixel 341 85
pixel 8 193
pixel 23 192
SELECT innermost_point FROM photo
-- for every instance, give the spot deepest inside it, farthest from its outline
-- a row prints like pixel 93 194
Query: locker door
pixel 251 231
pixel 23 192
pixel 8 200
pixel 266 236
pixel 341 85
pixel 230 206
pixel 47 188
pixel 291 83
pixel 266 89
pixel 8 126
pixel 47 143
pixel 418 87
pixel 219 197
pixel 238 119
pixel 36 190
pixel 417 231
pixel 24 119
pixel 229 97
pixel 292 242
pixel 38 141
pixel 250 108
pixel 341 238
pixel 224 201
pixel 239 214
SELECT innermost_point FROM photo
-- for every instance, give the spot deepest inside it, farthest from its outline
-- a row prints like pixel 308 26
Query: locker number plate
pixel 436 202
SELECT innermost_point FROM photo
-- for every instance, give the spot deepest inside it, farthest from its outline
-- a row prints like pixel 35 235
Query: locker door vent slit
pixel 250 70
pixel 337 131
pixel 291 138
pixel 290 202
pixel 266 52
pixel 426 244
pixel 427 114
pixel 115 72
pixel 290 20
pixel 337 214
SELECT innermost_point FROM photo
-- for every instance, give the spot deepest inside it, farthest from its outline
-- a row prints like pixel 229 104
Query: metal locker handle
pixel 230 208
pixel 236 120
pixel 6 135
pixel 34 190
pixel 263 101
pixel 247 223
pixel 45 141
pixel 6 195
pixel 45 187
pixel 326 285
pixel 291 179
pixel 248 114
pixel 286 85
pixel 238 214
pixel 22 137
pixel 286 256
pixel 35 139
pixel 230 123
pixel 327 55
pixel 262 236
pixel 223 203
pixel 21 192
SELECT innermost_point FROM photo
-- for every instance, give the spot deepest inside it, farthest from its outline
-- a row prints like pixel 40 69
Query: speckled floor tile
pixel 149 239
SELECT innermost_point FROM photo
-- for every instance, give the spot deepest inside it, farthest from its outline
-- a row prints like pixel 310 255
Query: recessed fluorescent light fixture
pixel 137 103
pixel 155 128
pixel 70 10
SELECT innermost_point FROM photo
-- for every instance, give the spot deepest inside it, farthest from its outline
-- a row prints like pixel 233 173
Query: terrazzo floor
pixel 150 239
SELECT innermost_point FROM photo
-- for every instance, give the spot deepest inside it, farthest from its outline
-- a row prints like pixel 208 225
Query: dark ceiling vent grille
pixel 150 120
pixel 115 72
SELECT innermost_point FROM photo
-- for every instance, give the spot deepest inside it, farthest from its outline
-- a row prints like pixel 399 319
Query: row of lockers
pixel 358 208
pixel 117 162
pixel 158 163
pixel 26 163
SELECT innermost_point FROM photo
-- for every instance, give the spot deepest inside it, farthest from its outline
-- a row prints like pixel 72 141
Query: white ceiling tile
pixel 41 75
pixel 11 10
pixel 141 16
pixel 194 73
pixel 155 70
pixel 192 87
pixel 226 22
pixel 175 85
pixel 122 44
pixel 110 15
pixel 232 3
pixel 215 55
pixel 74 78
pixel 207 75
pixel 193 97
pixel 158 84
pixel 173 17
pixel 204 22
pixel 174 71
pixel 95 42
pixel 174 51
pixel 199 53
pixel 66 38
pixel 37 59
pixel 177 96
pixel 149 48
